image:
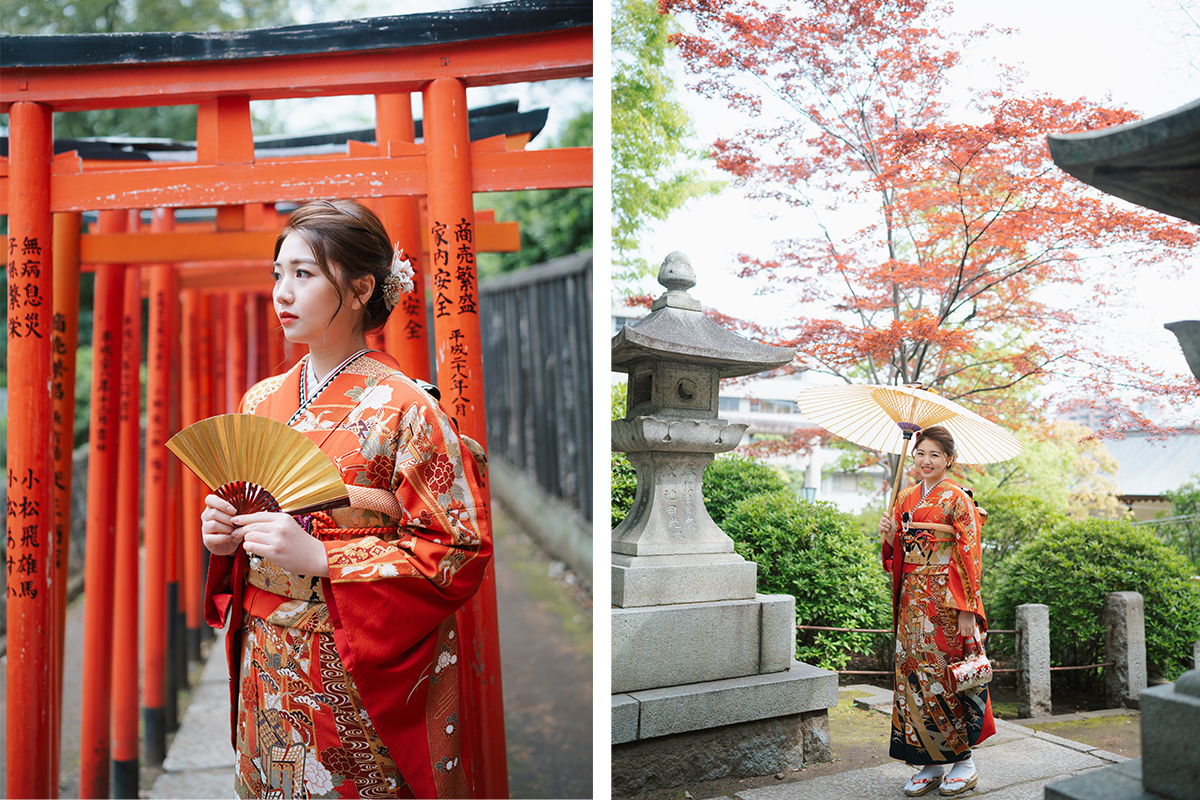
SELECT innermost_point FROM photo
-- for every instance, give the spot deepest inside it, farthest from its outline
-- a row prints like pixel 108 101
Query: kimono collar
pixel 309 388
pixel 925 490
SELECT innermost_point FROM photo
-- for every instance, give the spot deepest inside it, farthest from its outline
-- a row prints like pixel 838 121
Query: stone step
pixel 690 643
pixel 677 709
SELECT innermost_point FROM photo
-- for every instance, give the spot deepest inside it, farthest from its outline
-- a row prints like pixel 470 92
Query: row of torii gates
pixel 211 329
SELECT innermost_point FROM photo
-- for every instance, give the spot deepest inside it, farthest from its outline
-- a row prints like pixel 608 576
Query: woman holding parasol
pixel 931 546
pixel 934 533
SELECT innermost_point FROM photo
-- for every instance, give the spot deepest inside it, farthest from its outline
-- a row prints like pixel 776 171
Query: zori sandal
pixel 957 784
pixel 920 786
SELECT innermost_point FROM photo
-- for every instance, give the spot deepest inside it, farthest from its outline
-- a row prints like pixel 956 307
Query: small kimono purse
pixel 972 672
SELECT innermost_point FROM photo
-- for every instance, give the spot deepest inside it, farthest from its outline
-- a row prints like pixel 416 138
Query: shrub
pixel 730 479
pixel 1014 518
pixel 1182 533
pixel 1073 567
pixel 815 553
pixel 624 487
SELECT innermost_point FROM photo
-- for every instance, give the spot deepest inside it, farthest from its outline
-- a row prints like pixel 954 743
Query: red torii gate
pixel 436 54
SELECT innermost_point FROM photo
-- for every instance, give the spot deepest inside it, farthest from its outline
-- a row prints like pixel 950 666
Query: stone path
pixel 1015 764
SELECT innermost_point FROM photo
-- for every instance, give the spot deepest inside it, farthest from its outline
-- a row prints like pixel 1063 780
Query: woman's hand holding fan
pixel 217 528
pixel 280 539
pixel 260 472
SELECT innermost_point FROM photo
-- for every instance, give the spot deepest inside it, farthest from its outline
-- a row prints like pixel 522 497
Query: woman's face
pixel 930 461
pixel 307 302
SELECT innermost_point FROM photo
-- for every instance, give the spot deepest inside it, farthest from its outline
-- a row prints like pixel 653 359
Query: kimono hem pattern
pixel 347 686
pixel 935 575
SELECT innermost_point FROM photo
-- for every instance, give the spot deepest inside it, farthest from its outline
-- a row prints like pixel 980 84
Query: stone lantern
pixel 699 659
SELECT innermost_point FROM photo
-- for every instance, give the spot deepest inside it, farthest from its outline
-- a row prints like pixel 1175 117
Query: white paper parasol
pixel 886 417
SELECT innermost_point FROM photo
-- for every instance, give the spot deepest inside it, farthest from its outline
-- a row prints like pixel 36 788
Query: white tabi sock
pixel 925 780
pixel 962 770
pixel 931 771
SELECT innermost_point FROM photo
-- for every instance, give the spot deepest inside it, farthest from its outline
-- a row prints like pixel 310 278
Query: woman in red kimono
pixel 937 608
pixel 342 644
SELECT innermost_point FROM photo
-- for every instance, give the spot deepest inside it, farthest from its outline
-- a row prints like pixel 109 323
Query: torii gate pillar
pixel 30 512
pixel 460 378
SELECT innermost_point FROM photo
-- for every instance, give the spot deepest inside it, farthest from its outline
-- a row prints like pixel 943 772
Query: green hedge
pixel 733 478
pixel 624 487
pixel 815 553
pixel 1073 567
pixel 1014 518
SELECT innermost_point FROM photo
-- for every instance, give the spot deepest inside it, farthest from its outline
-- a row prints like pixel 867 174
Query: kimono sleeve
pixel 220 590
pixel 966 560
pixel 897 510
pixel 398 591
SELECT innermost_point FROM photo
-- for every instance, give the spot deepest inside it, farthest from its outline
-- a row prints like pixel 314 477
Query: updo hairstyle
pixel 942 438
pixel 348 235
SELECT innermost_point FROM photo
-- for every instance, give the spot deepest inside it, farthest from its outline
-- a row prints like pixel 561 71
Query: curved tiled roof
pixel 1149 468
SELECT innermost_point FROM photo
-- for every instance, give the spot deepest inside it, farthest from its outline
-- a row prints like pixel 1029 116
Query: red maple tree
pixel 950 283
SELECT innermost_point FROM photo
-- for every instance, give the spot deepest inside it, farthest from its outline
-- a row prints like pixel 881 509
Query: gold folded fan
pixel 260 464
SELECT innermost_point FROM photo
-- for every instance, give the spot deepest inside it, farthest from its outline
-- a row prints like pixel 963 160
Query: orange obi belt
pixel 268 587
pixel 913 567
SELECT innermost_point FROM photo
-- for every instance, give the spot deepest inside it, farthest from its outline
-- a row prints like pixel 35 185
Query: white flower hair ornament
pixel 399 279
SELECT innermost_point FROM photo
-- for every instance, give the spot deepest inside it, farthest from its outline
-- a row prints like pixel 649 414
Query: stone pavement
pixel 200 759
pixel 1015 764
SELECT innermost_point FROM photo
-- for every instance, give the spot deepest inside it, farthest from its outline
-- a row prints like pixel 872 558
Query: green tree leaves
pixel 554 222
pixel 650 131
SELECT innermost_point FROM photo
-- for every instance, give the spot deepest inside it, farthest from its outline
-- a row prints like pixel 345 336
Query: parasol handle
pixel 908 434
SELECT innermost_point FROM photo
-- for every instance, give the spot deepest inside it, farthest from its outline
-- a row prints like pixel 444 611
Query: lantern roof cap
pixel 1151 162
pixel 678 330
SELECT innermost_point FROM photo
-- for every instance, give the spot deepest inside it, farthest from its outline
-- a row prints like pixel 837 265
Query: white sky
pixel 1133 51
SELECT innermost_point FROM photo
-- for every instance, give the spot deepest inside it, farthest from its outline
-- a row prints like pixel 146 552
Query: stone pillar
pixel 1033 660
pixel 1124 621
pixel 1168 768
pixel 1170 730
pixel 1196 655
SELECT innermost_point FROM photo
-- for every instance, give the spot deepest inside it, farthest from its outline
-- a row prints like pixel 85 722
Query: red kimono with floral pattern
pixel 935 574
pixel 348 685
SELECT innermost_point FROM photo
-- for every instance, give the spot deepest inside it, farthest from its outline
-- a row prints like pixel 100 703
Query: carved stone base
pixel 668 516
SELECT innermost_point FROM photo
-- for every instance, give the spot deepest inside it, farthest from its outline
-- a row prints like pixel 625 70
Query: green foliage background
pixel 817 554
pixel 1013 519
pixel 650 134
pixel 1184 534
pixel 1073 567
pixel 731 479
pixel 624 487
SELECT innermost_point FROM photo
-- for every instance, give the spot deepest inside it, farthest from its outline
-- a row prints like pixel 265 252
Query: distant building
pixel 767 405
pixel 1150 468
